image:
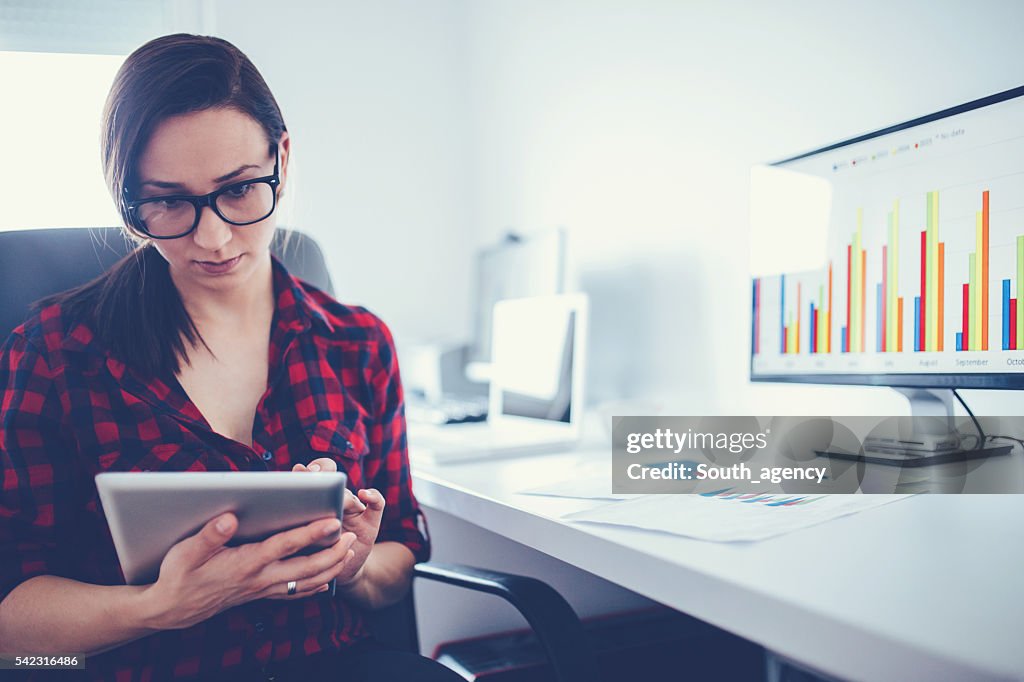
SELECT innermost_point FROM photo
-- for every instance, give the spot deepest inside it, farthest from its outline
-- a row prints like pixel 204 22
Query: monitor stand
pixel 935 440
pixel 928 402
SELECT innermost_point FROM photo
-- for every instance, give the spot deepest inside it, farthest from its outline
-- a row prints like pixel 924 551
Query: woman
pixel 200 352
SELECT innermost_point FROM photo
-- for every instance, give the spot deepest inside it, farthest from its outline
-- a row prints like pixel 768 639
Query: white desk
pixel 927 588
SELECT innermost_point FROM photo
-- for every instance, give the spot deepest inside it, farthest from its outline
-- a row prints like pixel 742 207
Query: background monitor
pixel 520 266
pixel 900 253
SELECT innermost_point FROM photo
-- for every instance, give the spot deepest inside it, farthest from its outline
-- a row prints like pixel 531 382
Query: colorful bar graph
pixel 806 322
pixel 932 315
pixel 855 316
pixel 975 328
pixel 882 301
pixel 862 298
pixel 820 320
pixel 796 331
pixel 819 328
pixel 756 341
pixel 978 288
pixel 923 297
pixel 966 324
pixel 1013 323
pixel 849 304
pixel 891 279
pixel 973 331
pixel 888 315
pixel 917 323
pixel 1013 304
pixel 813 319
pixel 984 270
pixel 930 306
pixel 790 329
pixel 828 322
pixel 783 345
pixel 899 328
pixel 856 289
pixel 1006 314
pixel 942 293
pixel 1020 292
pixel 880 323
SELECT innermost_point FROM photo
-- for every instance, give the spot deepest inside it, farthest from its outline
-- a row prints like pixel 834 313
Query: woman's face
pixel 198 153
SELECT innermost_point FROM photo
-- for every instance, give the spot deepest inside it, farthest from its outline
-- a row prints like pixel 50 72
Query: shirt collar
pixel 296 311
pixel 296 308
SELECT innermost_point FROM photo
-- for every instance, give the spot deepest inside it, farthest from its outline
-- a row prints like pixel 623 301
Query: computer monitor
pixel 536 357
pixel 520 266
pixel 910 247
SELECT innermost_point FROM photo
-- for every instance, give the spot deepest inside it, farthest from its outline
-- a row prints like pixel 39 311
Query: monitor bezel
pixel 987 380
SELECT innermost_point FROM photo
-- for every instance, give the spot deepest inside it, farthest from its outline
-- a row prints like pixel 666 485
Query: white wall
pixel 375 99
pixel 634 124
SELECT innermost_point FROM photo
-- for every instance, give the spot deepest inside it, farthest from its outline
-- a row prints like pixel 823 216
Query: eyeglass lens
pixel 244 204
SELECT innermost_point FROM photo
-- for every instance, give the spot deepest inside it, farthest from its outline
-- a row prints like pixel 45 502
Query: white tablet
pixel 149 512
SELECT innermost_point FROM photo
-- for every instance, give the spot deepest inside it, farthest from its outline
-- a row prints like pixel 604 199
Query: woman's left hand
pixel 362 516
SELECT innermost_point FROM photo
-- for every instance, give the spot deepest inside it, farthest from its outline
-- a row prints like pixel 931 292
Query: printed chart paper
pixel 724 517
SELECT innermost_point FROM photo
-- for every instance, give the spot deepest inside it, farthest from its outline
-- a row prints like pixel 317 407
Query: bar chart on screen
pixel 924 268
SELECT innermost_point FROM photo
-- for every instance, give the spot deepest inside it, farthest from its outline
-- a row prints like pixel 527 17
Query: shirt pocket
pixel 346 445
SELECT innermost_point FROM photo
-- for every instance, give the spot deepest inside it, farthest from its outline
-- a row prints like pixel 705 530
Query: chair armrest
pixel 557 626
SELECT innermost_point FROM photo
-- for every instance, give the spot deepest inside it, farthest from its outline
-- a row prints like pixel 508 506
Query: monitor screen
pixel 537 359
pixel 538 369
pixel 896 258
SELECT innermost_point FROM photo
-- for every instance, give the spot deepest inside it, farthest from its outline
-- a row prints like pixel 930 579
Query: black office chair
pixel 36 263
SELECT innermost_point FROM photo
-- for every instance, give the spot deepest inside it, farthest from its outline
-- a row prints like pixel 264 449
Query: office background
pixel 633 125
pixel 424 130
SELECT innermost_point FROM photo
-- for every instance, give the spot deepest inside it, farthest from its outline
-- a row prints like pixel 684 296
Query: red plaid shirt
pixel 69 411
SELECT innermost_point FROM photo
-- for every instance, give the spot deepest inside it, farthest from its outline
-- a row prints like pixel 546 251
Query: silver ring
pixel 292 586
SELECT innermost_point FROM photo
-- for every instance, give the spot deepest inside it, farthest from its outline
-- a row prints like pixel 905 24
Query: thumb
pixel 374 502
pixel 198 549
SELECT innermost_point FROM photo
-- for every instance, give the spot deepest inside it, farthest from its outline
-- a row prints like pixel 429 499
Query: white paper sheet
pixel 593 486
pixel 727 518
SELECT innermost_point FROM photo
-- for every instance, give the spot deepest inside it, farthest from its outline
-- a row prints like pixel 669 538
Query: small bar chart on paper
pixel 764 499
pixel 722 517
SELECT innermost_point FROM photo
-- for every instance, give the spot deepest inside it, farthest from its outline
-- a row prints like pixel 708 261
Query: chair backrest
pixel 37 263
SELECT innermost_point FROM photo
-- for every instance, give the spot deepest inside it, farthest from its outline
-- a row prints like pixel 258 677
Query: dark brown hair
pixel 134 309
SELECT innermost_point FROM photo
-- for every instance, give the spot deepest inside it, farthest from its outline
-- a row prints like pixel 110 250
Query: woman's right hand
pixel 200 577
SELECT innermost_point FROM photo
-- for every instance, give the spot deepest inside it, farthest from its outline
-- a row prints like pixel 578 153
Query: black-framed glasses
pixel 176 215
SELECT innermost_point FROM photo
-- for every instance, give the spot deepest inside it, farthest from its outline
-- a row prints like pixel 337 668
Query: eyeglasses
pixel 176 215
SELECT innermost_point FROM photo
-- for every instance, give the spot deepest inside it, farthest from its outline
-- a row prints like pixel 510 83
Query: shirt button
pixel 268 455
pixel 259 627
